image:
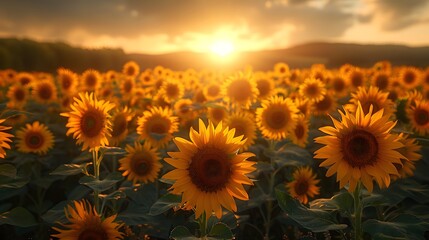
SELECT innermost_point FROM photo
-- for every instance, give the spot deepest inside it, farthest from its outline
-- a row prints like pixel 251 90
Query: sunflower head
pixel 34 138
pixel 418 115
pixel 184 109
pixel 360 148
pixel 410 77
pixel 244 125
pixel 24 78
pixel 304 184
pixel 131 69
pixel 381 80
pixel 313 88
pixel 371 96
pixel 86 223
pixel 141 164
pixel 171 90
pixel 326 105
pixel 89 121
pixel 44 91
pixel 276 118
pixel 209 172
pixel 356 77
pixel 120 121
pixel 265 85
pixel 157 126
pixel 91 80
pixel 240 90
pixel 281 70
pixel 18 95
pixel 212 91
pixel 4 139
pixel 299 135
pixel 68 81
pixel 410 151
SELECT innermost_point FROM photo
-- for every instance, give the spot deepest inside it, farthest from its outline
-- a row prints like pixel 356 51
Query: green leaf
pixel 164 204
pixel 19 217
pixel 110 151
pixel 405 226
pixel 70 169
pixel 315 220
pixel 18 182
pixel 101 185
pixel 290 155
pixel 406 188
pixel 8 170
pixel 182 233
pixel 342 201
pixel 220 231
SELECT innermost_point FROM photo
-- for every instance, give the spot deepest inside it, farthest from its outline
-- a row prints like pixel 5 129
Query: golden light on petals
pixel 299 135
pixel 418 115
pixel 120 121
pixel 68 81
pixel 34 138
pixel 240 90
pixel 411 152
pixel 313 89
pixel 17 95
pixel 44 91
pixel 86 223
pixel 360 148
pixel 90 80
pixel 244 125
pixel 131 69
pixel 208 171
pixel 5 138
pixel 371 96
pixel 89 121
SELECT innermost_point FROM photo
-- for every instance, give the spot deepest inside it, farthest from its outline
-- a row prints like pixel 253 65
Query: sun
pixel 222 48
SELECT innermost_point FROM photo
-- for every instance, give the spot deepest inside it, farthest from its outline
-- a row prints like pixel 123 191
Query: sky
pixel 163 26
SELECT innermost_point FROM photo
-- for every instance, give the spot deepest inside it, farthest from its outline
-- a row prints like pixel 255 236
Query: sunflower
pixel 339 85
pixel 277 117
pixel 17 95
pixel 24 78
pixel 410 77
pixel 127 87
pixel 86 223
pixel 91 80
pixel 120 120
pixel 68 81
pixel 184 109
pixel 146 78
pixel 141 164
pixel 299 135
pixel 157 126
pixel 371 97
pixel 110 76
pixel 89 121
pixel 325 106
pixel 411 153
pixel 383 66
pixel 217 113
pixel 199 96
pixel 313 89
pixel 281 70
pixel 244 125
pixel 304 184
pixel 212 91
pixel 240 90
pixel 131 69
pixel 44 91
pixel 419 117
pixel 356 77
pixel 34 138
pixel 360 148
pixel 303 105
pixel 171 90
pixel 4 139
pixel 265 85
pixel 381 80
pixel 209 172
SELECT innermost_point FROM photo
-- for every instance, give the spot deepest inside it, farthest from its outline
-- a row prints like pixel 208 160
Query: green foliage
pixel 19 217
pixel 101 185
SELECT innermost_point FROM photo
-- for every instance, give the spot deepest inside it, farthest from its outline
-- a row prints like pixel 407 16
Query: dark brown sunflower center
pixel 240 90
pixel 131 71
pixel 299 131
pixel 19 95
pixel 366 105
pixel 311 90
pixel 360 148
pixel 338 84
pixel 282 70
pixel 239 129
pixel 128 86
pixel 382 81
pixel 25 80
pixel 210 169
pixel 357 79
pixel 421 117
pixel 91 80
pixel 277 119
pixel 213 91
pixel 34 140
pixel 92 123
pixel 120 124
pixel 66 83
pixel 301 187
pixel 185 108
pixel 172 90
pixel 93 234
pixel 218 114
pixel 263 87
pixel 141 164
pixel 158 128
pixel 324 105
pixel 409 77
pixel 45 92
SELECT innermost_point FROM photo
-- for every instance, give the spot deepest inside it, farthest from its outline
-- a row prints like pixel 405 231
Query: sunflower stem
pixel 357 212
pixel 203 224
pixel 96 164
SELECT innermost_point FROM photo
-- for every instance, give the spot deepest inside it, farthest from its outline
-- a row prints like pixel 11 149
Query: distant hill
pixel 28 55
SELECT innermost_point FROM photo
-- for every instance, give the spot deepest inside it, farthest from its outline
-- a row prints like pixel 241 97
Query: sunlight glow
pixel 222 48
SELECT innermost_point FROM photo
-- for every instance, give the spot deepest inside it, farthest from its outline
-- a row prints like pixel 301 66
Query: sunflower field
pixel 309 153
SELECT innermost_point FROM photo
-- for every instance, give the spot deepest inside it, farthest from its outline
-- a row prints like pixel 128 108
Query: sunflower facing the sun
pixel 35 138
pixel 4 139
pixel 89 121
pixel 304 184
pixel 86 223
pixel 209 172
pixel 360 148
